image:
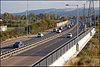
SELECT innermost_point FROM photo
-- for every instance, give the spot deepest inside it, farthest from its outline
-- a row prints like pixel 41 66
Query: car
pixel 59 31
pixel 40 35
pixel 18 44
pixel 66 25
pixel 72 24
pixel 55 30
pixel 69 26
pixel 60 28
pixel 69 35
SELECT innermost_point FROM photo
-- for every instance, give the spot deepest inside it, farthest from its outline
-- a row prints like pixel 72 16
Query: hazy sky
pixel 20 6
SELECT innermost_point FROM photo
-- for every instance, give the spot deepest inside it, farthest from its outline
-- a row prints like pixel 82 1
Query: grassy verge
pixel 90 55
pixel 15 32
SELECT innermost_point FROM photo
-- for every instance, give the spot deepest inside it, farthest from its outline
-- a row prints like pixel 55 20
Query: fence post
pixel 46 62
pixel 77 47
pixel 90 33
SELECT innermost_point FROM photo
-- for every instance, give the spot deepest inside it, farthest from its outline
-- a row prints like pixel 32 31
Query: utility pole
pixel 27 30
pixel 84 17
pixel 77 19
pixel 91 14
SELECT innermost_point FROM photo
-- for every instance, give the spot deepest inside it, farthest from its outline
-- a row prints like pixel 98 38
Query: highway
pixel 29 57
pixel 23 38
pixel 32 40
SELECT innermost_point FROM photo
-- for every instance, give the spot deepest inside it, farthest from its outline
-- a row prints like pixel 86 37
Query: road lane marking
pixel 20 50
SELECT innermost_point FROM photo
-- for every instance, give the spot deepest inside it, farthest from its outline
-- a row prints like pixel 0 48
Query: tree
pixel 7 16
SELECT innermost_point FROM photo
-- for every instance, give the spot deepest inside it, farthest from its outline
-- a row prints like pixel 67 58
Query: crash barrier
pixel 58 56
pixel 26 47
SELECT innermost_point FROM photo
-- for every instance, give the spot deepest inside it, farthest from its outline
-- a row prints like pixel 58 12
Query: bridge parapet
pixel 67 51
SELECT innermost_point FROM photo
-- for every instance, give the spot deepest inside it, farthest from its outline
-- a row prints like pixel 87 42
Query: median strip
pixel 27 47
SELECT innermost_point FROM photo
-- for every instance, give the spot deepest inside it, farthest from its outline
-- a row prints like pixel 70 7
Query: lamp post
pixel 77 18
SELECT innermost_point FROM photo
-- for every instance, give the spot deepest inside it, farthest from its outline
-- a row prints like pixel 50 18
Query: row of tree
pixel 9 18
pixel 30 25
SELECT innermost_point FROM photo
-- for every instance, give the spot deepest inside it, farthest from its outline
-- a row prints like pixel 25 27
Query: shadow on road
pixel 7 47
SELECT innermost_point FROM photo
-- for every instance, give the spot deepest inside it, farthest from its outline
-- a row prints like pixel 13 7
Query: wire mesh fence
pixel 54 55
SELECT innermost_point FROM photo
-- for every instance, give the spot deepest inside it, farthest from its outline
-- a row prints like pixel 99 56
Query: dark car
pixel 55 30
pixel 60 28
pixel 69 35
pixel 18 44
pixel 59 31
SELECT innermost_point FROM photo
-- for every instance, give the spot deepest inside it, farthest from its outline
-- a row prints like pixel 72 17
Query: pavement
pixel 29 57
pixel 21 38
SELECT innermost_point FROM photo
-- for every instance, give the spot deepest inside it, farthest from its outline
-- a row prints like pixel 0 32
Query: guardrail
pixel 27 47
pixel 55 54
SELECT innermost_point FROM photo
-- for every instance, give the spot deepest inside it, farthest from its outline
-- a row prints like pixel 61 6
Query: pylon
pixel 91 14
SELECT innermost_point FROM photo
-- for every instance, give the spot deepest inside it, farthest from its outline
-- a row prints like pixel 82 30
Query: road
pixel 22 38
pixel 31 40
pixel 29 57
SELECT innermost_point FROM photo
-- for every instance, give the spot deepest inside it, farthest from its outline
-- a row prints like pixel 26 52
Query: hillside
pixel 62 12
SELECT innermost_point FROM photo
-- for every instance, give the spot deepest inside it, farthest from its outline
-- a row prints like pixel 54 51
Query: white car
pixel 59 31
pixel 69 26
pixel 40 35
pixel 69 35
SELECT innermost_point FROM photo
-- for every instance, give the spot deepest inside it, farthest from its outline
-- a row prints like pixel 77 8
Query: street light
pixel 77 18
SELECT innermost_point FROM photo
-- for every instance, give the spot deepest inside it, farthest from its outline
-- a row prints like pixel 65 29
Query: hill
pixel 62 12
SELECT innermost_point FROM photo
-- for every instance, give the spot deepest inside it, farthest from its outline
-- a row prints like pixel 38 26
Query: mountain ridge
pixel 62 12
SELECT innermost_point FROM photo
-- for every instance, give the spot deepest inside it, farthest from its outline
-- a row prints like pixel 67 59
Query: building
pixel 3 28
pixel 63 23
pixel 1 20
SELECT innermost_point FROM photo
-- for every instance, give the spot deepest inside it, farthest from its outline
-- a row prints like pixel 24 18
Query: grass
pixel 90 55
pixel 10 28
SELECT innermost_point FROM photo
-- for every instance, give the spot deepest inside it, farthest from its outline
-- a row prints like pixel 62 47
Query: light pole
pixel 77 18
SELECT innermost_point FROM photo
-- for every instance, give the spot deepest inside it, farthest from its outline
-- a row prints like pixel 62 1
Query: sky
pixel 21 6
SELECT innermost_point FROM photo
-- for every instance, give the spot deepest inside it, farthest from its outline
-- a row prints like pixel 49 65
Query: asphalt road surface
pixel 29 57
pixel 32 40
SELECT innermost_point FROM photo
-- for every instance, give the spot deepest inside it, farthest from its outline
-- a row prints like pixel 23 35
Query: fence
pixel 54 55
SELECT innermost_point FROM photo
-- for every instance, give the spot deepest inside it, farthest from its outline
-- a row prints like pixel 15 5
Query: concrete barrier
pixel 73 52
pixel 27 47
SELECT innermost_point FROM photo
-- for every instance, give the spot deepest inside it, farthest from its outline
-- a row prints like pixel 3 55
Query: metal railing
pixel 55 54
pixel 27 47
